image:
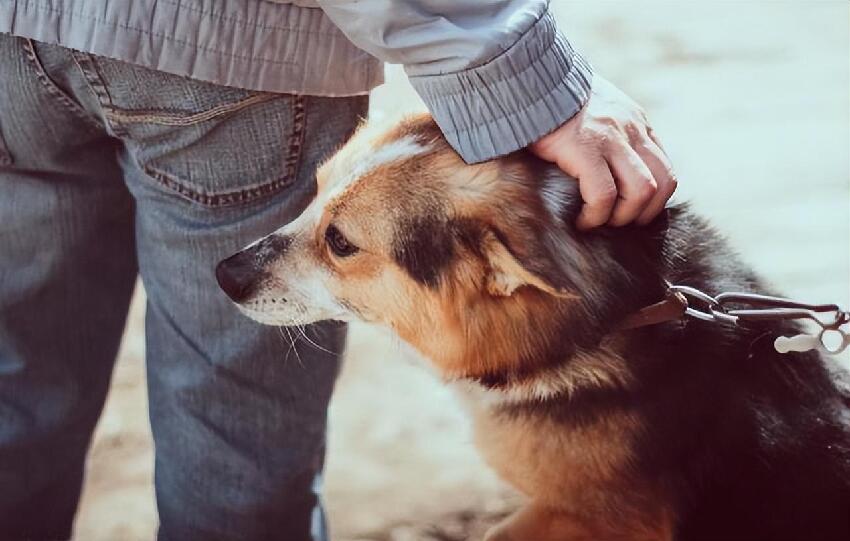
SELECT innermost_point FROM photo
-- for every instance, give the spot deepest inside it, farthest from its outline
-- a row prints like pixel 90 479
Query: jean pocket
pixel 5 155
pixel 211 144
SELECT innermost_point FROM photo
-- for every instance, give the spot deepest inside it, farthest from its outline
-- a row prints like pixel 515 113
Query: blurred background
pixel 752 101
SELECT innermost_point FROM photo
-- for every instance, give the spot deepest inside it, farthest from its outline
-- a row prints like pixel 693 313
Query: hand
pixel 624 175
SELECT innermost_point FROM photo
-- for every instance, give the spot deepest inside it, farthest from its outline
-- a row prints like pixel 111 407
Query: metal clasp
pixel 829 317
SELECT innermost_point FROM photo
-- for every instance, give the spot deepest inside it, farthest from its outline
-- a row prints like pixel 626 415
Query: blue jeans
pixel 109 170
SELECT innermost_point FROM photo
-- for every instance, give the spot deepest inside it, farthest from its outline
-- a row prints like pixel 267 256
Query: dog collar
pixel 673 307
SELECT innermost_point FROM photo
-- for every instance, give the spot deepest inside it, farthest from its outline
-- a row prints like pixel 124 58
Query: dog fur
pixel 685 430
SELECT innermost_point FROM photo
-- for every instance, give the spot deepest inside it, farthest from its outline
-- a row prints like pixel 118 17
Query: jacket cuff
pixel 526 92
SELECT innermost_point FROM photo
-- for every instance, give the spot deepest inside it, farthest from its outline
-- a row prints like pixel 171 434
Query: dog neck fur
pixel 525 338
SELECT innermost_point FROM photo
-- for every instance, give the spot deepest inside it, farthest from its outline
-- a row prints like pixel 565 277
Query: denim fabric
pixel 115 170
pixel 496 74
pixel 5 157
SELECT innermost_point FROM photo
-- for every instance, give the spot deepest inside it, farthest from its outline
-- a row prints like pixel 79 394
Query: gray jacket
pixel 496 74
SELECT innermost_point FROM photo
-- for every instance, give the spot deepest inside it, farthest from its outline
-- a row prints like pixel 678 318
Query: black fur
pixel 752 445
pixel 424 247
pixel 749 444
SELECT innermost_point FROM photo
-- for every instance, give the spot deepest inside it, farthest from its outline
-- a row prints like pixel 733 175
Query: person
pixel 158 136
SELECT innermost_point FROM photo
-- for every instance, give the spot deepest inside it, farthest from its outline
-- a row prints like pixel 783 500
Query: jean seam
pixel 216 199
pixel 165 118
pixel 59 95
pixel 88 68
pixel 220 199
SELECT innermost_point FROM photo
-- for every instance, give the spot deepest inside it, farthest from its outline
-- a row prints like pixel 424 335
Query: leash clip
pixel 830 318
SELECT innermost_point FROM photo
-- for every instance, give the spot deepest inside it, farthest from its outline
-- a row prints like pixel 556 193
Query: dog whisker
pixel 294 347
pixel 302 330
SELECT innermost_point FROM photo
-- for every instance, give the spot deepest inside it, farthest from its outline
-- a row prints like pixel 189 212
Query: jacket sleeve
pixel 496 75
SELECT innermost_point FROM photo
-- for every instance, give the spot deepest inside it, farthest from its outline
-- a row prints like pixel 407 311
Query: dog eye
pixel 338 243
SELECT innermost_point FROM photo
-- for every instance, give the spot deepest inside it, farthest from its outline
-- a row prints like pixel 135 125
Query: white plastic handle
pixel 801 342
pixel 824 342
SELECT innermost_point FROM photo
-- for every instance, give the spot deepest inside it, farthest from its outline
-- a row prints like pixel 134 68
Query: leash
pixel 680 302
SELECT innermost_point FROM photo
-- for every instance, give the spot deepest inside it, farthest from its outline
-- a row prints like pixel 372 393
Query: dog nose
pixel 238 276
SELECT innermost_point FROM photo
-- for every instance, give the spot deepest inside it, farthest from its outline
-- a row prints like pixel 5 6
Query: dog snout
pixel 239 275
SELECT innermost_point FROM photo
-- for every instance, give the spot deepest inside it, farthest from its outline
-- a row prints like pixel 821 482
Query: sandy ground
pixel 751 99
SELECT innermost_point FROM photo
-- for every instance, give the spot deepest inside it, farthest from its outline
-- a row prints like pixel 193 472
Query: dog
pixel 680 430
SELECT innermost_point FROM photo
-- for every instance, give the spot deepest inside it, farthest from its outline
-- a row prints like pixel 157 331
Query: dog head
pixel 460 260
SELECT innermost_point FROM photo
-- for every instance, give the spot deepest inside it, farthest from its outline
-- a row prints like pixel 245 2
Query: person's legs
pixel 238 415
pixel 67 269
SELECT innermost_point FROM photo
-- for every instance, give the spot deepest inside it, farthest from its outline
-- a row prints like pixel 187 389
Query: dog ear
pixel 506 274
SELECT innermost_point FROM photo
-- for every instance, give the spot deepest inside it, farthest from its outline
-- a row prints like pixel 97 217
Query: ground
pixel 752 101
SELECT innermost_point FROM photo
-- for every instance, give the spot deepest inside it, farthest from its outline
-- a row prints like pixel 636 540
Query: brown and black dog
pixel 684 430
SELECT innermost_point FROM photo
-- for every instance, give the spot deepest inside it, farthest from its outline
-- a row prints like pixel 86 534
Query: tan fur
pixel 573 471
pixel 488 314
pixel 507 275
